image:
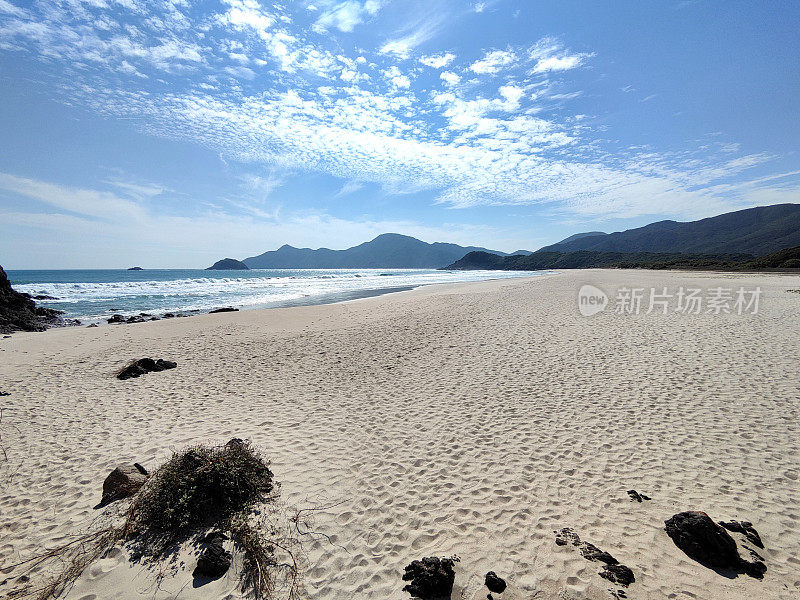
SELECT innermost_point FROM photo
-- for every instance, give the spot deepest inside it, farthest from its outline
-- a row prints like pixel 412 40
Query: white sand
pixel 470 419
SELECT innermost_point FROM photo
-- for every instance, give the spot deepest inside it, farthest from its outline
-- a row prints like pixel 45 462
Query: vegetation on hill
pixel 586 259
pixel 754 231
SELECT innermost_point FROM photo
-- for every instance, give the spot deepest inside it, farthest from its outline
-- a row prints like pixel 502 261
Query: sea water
pixel 94 295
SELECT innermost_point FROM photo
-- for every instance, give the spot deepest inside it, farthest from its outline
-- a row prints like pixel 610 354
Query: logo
pixel 591 300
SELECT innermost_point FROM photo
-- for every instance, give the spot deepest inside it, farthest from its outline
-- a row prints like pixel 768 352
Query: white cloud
pixel 549 55
pixel 493 62
pixel 467 145
pixel 396 77
pixel 438 61
pixel 449 78
pixel 345 15
pixel 414 35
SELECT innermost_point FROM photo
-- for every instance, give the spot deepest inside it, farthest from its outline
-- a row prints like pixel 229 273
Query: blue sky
pixel 171 133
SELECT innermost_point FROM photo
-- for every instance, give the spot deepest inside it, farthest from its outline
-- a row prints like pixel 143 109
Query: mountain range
pixel 733 237
pixel 389 250
pixel 753 231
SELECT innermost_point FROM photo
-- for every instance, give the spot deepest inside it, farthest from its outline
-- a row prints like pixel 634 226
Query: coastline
pixel 462 418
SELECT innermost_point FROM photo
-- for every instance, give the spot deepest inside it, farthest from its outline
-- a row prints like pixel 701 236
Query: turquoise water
pixel 94 295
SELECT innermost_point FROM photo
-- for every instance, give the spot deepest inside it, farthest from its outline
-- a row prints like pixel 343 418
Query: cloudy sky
pixel 171 133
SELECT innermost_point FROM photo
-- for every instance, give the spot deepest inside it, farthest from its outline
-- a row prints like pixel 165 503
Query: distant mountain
pixel 753 231
pixel 228 264
pixel 578 236
pixel 593 259
pixel 782 260
pixel 389 251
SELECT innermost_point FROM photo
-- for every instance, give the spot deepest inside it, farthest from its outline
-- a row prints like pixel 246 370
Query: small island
pixel 228 264
pixel 136 269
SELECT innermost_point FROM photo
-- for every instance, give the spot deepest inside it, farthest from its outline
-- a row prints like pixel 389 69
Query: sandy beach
pixel 468 419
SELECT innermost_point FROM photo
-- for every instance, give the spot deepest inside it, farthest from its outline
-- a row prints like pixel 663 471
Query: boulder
pixel 703 540
pixel 19 312
pixel 122 482
pixel 431 578
pixel 214 561
pixel 116 319
pixel 145 365
pixel 496 585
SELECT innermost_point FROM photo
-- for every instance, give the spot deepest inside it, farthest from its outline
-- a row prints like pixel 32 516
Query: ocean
pixel 92 296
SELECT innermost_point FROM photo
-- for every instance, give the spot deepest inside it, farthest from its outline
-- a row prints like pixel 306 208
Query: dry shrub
pixel 199 487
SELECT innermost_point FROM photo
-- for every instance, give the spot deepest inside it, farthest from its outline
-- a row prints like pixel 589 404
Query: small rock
pixel 116 319
pixel 567 536
pixel 92 325
pixel 592 552
pixel 494 583
pixel 617 573
pixel 122 482
pixel 214 560
pixel 5 393
pixel 222 310
pixel 169 315
pixel 746 528
pixel 135 319
pixel 431 578
pixel 636 496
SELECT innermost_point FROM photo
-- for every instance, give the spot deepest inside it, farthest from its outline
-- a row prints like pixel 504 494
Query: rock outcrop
pixel 431 578
pixel 145 365
pixel 214 561
pixel 613 571
pixel 711 545
pixel 19 313
pixel 496 585
pixel 122 482
pixel 224 309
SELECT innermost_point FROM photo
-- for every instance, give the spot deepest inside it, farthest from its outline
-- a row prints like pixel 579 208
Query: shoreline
pixel 469 418
pixel 305 288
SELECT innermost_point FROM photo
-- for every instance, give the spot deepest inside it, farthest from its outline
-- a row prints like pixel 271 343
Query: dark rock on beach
pixel 592 552
pixel 214 560
pixel 711 545
pixel 225 309
pixel 746 528
pixel 18 312
pixel 567 536
pixel 636 496
pixel 618 574
pixel 612 570
pixel 496 585
pixel 116 319
pixel 122 482
pixel 701 539
pixel 431 578
pixel 145 365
